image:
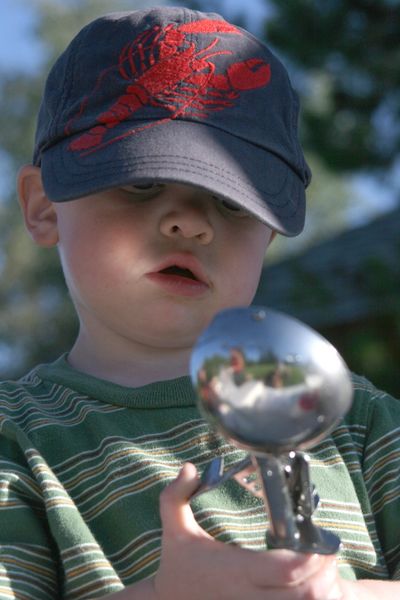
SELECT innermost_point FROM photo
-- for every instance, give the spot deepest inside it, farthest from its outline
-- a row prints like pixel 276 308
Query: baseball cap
pixel 173 95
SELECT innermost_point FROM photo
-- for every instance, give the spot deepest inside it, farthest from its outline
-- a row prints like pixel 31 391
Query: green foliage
pixel 351 54
pixel 372 350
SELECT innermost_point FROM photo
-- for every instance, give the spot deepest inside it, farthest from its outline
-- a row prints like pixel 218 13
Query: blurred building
pixel 348 288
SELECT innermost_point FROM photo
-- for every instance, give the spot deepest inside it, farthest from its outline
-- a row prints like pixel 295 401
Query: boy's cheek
pixel 246 272
pixel 241 288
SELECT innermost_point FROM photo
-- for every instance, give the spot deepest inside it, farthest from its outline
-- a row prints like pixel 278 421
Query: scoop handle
pixel 290 523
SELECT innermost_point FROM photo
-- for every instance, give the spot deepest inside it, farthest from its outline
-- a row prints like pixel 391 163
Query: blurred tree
pixel 350 52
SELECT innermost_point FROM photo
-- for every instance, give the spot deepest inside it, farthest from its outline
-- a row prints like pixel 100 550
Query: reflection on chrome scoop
pixel 273 387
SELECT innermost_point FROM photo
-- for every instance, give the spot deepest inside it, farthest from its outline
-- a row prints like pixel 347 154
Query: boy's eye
pixel 232 208
pixel 144 189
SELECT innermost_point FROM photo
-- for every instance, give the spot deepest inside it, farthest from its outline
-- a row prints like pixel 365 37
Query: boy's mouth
pixel 180 271
pixel 181 274
pixel 184 265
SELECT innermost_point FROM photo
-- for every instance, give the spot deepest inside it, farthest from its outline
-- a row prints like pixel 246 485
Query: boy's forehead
pixel 178 96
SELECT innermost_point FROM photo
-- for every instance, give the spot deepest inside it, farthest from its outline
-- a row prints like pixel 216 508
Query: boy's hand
pixel 196 566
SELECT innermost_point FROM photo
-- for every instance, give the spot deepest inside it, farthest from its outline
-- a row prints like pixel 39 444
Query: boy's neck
pixel 134 365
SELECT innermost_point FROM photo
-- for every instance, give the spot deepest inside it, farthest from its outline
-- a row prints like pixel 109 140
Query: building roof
pixel 350 277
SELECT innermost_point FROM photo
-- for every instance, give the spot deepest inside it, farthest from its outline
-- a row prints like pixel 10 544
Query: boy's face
pixel 155 265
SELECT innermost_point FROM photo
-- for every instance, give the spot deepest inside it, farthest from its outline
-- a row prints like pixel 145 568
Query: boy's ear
pixel 38 211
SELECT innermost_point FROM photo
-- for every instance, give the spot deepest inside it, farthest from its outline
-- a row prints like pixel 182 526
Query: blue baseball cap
pixel 173 95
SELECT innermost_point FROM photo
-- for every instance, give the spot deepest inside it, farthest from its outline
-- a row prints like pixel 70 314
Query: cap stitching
pixel 170 159
pixel 208 168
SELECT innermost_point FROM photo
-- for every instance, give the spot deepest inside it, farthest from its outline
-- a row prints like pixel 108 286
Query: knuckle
pixel 298 569
pixel 292 574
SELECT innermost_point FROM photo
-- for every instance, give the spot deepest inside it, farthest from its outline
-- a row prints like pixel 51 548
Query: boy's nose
pixel 188 218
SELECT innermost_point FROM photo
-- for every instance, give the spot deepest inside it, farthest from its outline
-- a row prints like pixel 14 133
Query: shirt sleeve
pixel 381 470
pixel 28 560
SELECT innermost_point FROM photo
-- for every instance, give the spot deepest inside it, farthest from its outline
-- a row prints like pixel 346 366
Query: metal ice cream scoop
pixel 273 387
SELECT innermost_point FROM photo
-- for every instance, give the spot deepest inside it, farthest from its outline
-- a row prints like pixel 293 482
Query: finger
pixel 176 514
pixel 283 568
pixel 324 583
pixel 302 567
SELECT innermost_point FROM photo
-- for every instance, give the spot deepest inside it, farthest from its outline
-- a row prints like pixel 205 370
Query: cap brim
pixel 184 152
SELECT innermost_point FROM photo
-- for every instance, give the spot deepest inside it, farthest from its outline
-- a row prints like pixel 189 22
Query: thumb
pixel 176 513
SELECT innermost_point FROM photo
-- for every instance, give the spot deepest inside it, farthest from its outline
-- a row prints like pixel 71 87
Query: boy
pixel 166 159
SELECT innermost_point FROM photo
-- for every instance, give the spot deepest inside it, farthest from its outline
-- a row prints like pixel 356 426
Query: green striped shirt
pixel 83 461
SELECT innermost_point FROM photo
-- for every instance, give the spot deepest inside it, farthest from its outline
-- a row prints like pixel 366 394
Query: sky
pixel 18 47
pixel 20 50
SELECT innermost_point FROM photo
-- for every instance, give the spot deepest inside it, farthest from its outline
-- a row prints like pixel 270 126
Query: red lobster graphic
pixel 164 70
